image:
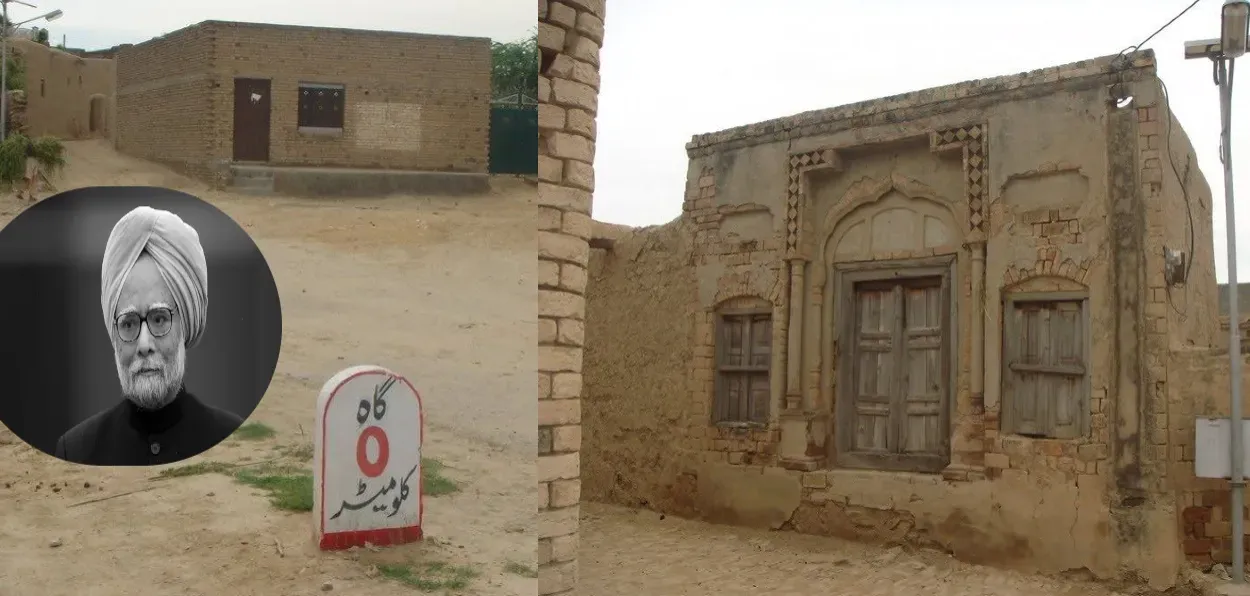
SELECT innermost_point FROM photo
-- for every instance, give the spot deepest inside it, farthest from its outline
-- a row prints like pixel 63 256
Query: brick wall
pixel 162 105
pixel 741 260
pixel 1208 529
pixel 569 36
pixel 413 101
pixel 1193 378
pixel 1056 235
pixel 419 102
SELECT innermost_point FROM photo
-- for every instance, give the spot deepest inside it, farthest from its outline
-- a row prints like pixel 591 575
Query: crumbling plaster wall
pixel 1044 504
pixel 1194 362
pixel 1059 165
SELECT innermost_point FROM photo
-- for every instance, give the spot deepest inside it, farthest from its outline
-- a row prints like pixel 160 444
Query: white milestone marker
pixel 367 460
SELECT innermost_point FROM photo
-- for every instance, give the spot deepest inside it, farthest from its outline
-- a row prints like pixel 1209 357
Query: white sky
pixel 97 24
pixel 675 68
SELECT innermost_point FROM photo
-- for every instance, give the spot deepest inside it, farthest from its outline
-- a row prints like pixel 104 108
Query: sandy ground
pixel 451 306
pixel 626 551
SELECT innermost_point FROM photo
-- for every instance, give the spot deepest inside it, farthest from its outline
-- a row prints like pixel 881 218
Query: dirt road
pixel 627 552
pixel 451 305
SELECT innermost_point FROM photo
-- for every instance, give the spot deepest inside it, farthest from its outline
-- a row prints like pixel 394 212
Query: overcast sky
pixel 675 68
pixel 96 24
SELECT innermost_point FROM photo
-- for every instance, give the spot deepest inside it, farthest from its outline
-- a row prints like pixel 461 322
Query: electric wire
pixel 1121 64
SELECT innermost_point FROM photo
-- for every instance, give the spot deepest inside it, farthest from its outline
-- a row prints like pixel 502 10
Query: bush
pixel 48 151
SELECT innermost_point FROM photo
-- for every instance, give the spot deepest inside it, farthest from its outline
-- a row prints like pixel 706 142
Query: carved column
pixel 967 428
pixel 976 244
pixel 794 339
pixel 803 427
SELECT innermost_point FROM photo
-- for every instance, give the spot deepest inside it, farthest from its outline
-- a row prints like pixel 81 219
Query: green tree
pixel 514 67
pixel 16 67
pixel 48 151
pixel 16 80
pixel 41 35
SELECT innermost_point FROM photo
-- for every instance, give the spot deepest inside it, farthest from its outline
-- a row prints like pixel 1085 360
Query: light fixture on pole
pixel 4 57
pixel 1234 20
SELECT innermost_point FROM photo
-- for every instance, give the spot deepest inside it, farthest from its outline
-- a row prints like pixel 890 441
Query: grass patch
pixel 519 569
pixel 433 481
pixel 253 431
pixel 204 467
pixel 302 452
pixel 290 486
pixel 289 489
pixel 430 576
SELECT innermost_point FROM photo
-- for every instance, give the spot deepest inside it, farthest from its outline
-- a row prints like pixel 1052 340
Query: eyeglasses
pixel 159 320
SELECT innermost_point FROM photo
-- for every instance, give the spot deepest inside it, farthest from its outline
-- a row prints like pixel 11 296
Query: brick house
pixel 941 318
pixel 217 93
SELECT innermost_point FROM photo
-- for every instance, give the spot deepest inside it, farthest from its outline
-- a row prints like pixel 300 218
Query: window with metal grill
pixel 321 105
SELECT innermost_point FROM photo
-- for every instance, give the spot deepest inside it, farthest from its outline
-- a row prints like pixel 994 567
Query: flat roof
pixel 1135 64
pixel 280 26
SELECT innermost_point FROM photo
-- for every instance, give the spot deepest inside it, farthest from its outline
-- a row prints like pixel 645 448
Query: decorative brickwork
pixel 750 278
pixel 800 164
pixel 971 139
pixel 1050 230
pixel 569 36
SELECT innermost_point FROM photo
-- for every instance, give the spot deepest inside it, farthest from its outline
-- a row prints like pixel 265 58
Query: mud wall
pixel 639 304
pixel 61 89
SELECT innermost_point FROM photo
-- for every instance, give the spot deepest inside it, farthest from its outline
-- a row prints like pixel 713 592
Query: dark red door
pixel 251 120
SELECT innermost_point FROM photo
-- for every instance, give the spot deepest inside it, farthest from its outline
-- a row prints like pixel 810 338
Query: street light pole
pixel 4 58
pixel 4 72
pixel 1235 20
pixel 1237 478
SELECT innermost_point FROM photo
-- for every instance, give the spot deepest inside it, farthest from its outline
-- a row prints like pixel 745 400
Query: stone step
pixel 258 191
pixel 252 182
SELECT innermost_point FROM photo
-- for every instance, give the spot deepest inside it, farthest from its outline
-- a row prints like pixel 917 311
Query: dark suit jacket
pixel 125 435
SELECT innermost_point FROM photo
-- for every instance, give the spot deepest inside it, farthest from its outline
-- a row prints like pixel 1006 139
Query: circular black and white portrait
pixel 118 350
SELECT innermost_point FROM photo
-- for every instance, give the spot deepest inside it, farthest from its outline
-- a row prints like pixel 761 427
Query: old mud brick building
pixel 67 96
pixel 217 93
pixel 939 318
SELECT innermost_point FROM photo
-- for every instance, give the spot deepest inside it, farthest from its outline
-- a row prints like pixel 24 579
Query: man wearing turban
pixel 154 297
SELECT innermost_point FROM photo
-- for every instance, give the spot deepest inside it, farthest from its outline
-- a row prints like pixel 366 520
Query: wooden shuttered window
pixel 743 361
pixel 1045 352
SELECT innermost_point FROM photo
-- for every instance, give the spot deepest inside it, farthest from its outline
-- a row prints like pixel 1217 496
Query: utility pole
pixel 4 72
pixel 1235 20
pixel 4 58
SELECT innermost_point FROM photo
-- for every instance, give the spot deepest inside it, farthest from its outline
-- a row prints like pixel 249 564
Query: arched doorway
pixel 96 121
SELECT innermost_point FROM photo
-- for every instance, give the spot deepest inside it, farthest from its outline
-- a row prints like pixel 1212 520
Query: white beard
pixel 152 392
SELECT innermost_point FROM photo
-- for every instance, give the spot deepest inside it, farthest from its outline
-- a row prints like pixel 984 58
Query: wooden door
pixel 251 120
pixel 900 376
pixel 923 396
pixel 876 352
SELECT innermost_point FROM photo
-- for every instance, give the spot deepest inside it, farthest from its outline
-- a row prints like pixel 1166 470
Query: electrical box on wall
pixel 1173 266
pixel 1213 447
